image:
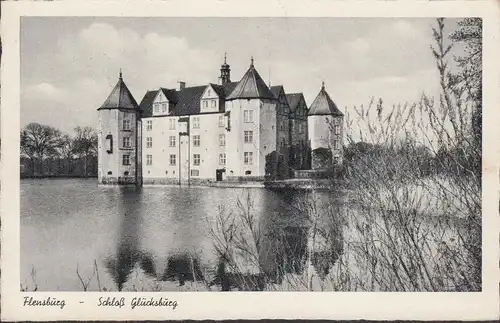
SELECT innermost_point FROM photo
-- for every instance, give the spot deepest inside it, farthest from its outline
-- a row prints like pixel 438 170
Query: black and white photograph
pixel 272 154
pixel 290 154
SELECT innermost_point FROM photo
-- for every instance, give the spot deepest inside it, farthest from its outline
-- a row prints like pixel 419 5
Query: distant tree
pixel 67 150
pixel 85 144
pixel 38 142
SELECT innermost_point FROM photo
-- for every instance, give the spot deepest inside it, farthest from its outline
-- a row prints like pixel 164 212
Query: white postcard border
pixel 203 305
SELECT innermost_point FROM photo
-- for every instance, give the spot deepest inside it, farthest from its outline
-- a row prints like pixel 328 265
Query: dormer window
pixel 164 108
pixel 157 108
pixel 214 103
pixel 209 93
pixel 205 104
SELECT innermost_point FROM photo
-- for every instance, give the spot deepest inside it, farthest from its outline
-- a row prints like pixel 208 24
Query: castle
pixel 230 131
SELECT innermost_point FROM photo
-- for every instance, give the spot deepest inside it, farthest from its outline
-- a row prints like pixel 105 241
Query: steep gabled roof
pixel 146 104
pixel 323 105
pixel 169 94
pixel 224 90
pixel 120 98
pixel 293 100
pixel 251 86
pixel 188 100
pixel 276 89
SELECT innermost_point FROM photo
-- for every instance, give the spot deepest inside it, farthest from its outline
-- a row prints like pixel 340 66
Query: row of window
pixel 248 118
pixel 248 138
pixel 247 159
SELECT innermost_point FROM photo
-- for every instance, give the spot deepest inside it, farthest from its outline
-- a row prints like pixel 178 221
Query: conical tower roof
pixel 120 97
pixel 251 86
pixel 323 105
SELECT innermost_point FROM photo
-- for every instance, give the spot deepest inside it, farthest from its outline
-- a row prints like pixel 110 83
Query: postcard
pixel 236 159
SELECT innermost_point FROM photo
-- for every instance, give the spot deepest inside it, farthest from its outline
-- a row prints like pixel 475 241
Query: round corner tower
pixel 118 125
pixel 325 127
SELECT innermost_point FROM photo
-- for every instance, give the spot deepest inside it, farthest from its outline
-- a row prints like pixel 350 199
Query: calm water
pixel 137 239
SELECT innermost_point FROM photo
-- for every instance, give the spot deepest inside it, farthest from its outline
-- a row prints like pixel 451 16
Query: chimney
pixel 182 85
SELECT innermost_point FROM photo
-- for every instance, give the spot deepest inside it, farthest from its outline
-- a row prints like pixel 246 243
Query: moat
pixel 138 238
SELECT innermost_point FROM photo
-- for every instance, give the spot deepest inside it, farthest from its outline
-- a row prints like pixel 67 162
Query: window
pixel 173 160
pixel 221 121
pixel 164 108
pixel 195 172
pixel 126 142
pixel 222 159
pixel 282 143
pixel 214 103
pixel 209 92
pixel 248 158
pixel 171 141
pixel 126 160
pixel 126 124
pixel 149 125
pixel 335 144
pixel 149 159
pixel 301 128
pixel 172 124
pixel 282 127
pixel 248 116
pixel 248 137
pixel 337 129
pixel 196 122
pixel 196 141
pixel 149 142
pixel 110 173
pixel 205 104
pixel 196 159
pixel 336 159
pixel 109 144
pixel 157 108
pixel 248 172
pixel 222 140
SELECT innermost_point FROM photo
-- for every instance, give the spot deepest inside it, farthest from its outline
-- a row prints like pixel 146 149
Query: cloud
pixel 45 91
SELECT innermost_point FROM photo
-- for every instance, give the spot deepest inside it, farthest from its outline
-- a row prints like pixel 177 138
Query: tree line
pixel 46 151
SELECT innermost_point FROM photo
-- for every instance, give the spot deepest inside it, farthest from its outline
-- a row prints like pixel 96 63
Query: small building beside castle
pixel 229 131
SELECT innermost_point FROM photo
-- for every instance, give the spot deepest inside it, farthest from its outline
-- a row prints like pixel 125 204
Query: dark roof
pixel 293 100
pixel 120 98
pixel 276 89
pixel 185 101
pixel 224 90
pixel 188 101
pixel 323 105
pixel 146 104
pixel 251 86
pixel 170 94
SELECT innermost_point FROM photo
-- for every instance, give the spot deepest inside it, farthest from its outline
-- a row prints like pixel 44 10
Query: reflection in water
pixel 290 235
pixel 128 254
pixel 183 267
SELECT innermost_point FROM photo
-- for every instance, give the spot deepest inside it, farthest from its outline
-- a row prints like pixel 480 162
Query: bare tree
pixel 38 142
pixel 85 144
pixel 67 150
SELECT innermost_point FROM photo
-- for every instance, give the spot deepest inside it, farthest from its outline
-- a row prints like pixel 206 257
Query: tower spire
pixel 121 78
pixel 225 71
pixel 323 85
pixel 251 61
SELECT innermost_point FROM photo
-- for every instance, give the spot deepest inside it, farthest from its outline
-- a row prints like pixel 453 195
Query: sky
pixel 69 65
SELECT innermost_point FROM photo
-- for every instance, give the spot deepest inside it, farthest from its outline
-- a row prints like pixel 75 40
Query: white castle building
pixel 230 131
